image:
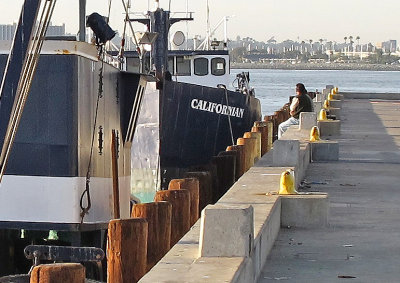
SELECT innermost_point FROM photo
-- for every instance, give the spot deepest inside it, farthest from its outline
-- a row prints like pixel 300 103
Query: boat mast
pixel 159 22
pixel 82 20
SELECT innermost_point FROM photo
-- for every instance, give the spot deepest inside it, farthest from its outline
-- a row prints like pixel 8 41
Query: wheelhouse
pixel 208 68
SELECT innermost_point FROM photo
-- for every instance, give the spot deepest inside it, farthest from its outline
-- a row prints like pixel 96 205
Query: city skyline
pixel 291 19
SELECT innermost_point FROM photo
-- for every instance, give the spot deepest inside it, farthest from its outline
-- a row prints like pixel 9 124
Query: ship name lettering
pixel 217 108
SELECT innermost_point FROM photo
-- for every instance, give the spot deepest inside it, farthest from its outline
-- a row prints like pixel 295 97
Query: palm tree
pixel 311 46
pixel 351 42
pixel 345 39
pixel 358 41
pixel 320 42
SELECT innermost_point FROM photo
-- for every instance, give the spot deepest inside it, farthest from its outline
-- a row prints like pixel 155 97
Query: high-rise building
pixel 7 31
pixel 55 30
pixel 389 46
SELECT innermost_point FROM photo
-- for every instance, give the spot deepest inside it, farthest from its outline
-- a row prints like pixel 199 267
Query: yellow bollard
pixel 287 183
pixel 322 115
pixel 330 97
pixel 314 134
pixel 326 104
pixel 336 89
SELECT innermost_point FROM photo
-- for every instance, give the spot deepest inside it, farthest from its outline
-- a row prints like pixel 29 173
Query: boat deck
pixel 362 240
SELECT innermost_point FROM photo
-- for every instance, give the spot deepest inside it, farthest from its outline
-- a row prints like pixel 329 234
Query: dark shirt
pixel 305 105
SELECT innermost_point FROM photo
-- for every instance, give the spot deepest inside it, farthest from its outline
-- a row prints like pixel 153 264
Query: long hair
pixel 301 88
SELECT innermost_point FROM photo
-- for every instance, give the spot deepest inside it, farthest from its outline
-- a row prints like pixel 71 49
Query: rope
pixel 85 210
pixel 122 49
pixel 229 117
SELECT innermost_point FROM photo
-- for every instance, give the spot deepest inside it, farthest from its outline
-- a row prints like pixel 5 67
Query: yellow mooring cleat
pixel 287 184
pixel 322 115
pixel 314 134
pixel 327 104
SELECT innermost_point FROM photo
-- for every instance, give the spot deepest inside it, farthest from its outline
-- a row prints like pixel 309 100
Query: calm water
pixel 273 87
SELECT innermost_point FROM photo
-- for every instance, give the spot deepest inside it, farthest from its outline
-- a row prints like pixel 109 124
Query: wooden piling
pixel 249 145
pixel 58 273
pixel 270 127
pixel 205 187
pixel 126 250
pixel 158 216
pixel 279 116
pixel 273 123
pixel 261 127
pixel 257 146
pixel 226 174
pixel 192 185
pixel 270 119
pixel 240 166
pixel 180 221
pixel 115 177
pixel 247 152
pixel 235 154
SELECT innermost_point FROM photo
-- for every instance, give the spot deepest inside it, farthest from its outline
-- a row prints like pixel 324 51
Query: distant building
pixel 389 46
pixel 7 31
pixel 55 30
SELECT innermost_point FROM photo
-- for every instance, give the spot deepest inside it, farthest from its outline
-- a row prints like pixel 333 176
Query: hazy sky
pixel 374 21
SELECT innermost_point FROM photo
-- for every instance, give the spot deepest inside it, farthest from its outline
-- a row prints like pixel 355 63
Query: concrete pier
pixel 361 243
pixel 344 224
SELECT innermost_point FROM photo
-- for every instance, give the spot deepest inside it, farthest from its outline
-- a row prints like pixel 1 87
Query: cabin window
pixel 171 65
pixel 201 66
pixel 182 66
pixel 133 64
pixel 218 66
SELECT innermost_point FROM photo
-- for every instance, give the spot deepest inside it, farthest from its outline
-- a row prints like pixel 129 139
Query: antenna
pixel 208 27
pixel 206 43
pixel 82 20
pixel 187 24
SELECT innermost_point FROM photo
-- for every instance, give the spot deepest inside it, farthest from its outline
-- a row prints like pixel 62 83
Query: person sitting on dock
pixel 302 102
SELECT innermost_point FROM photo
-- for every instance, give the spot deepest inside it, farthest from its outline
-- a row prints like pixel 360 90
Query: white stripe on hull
pixel 56 199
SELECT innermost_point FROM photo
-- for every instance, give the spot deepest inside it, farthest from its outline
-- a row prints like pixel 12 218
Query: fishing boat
pixel 81 121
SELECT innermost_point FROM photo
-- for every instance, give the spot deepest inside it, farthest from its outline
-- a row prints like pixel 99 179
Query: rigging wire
pixel 229 116
pixel 133 31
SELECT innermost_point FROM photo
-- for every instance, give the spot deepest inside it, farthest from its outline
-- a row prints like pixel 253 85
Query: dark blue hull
pixel 195 126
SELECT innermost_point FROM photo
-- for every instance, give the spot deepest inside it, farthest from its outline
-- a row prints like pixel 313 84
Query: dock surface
pixel 362 241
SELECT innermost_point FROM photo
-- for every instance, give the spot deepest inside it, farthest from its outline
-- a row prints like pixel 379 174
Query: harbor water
pixel 273 87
